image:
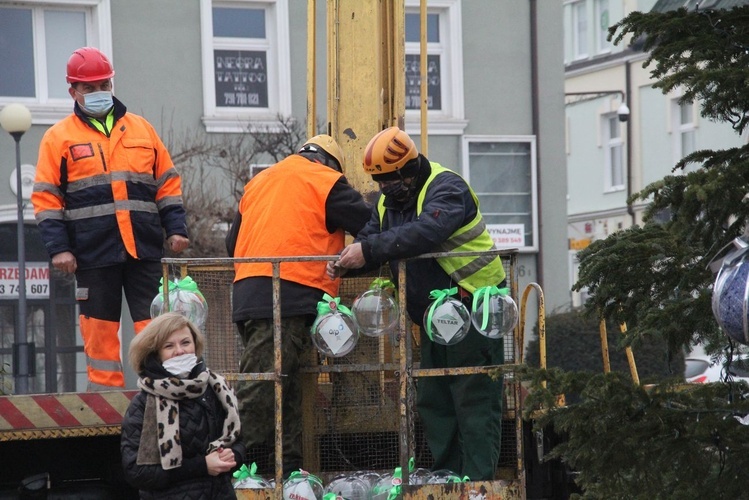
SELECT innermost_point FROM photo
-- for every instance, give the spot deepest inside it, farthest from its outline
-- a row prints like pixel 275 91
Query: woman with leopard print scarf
pixel 179 434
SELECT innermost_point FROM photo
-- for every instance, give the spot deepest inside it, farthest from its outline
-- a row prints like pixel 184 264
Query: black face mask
pixel 399 192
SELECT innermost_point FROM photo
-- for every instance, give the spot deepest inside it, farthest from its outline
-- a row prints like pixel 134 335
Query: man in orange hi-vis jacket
pixel 105 194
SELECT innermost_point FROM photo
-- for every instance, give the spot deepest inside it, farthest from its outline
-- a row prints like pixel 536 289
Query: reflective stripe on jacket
pixel 103 198
pixel 283 214
pixel 470 272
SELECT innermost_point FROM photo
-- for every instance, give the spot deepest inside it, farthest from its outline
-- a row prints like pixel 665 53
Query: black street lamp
pixel 16 120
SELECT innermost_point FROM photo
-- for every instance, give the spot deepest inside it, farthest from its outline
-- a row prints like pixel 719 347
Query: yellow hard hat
pixel 327 144
pixel 389 151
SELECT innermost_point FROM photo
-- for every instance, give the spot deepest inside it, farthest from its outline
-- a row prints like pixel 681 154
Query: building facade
pixel 610 154
pixel 219 67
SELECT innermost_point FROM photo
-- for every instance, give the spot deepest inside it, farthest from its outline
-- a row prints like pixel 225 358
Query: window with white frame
pixel 579 29
pixel 36 41
pixel 685 128
pixel 246 68
pixel 586 28
pixel 413 63
pixel 613 153
pixel 444 66
pixel 602 25
pixel 502 172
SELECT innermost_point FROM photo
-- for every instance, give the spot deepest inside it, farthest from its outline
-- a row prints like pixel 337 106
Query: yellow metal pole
pixel 311 68
pixel 397 100
pixel 404 375
pixel 165 287
pixel 423 82
pixel 278 369
pixel 630 358
pixel 541 324
pixel 366 77
pixel 604 346
pixel 390 40
pixel 332 16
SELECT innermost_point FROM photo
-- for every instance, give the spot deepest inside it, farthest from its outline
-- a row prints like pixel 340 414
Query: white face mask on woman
pixel 181 365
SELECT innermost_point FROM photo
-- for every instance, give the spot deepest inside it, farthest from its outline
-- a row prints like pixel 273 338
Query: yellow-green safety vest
pixel 471 272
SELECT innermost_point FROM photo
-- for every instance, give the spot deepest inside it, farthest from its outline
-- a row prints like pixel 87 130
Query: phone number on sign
pixel 37 280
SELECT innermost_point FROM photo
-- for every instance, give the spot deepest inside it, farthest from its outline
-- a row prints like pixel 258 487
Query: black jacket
pixel 200 422
pixel 448 205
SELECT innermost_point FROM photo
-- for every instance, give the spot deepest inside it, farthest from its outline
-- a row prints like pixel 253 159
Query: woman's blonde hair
pixel 153 337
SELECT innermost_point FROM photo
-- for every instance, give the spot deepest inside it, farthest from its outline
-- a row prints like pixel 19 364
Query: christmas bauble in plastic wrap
pixel 444 476
pixel 368 476
pixel 384 486
pixel 301 485
pixel 247 478
pixel 419 476
pixel 334 332
pixel 447 320
pixel 730 301
pixel 184 298
pixel 349 487
pixel 376 311
pixel 494 312
pixel 252 483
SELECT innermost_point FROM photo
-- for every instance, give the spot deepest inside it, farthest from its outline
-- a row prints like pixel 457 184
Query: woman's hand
pixel 226 454
pixel 220 461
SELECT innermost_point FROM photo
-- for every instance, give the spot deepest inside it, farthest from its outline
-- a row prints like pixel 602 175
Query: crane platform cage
pixel 359 410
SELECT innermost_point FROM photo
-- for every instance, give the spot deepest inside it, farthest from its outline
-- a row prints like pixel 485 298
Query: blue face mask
pixel 97 103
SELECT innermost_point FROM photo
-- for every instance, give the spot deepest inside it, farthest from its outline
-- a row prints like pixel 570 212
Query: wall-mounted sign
pixel 413 82
pixel 37 280
pixel 579 244
pixel 241 78
pixel 507 235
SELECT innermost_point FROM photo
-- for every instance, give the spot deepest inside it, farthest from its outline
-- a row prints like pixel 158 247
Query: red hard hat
pixel 88 64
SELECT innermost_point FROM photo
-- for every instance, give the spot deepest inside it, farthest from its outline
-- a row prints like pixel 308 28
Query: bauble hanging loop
pixel 494 314
pixel 301 485
pixel 347 487
pixel 185 298
pixel 334 332
pixel 446 321
pixel 247 478
pixel 376 310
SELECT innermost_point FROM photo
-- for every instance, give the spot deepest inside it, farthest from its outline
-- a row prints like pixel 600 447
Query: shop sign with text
pixel 37 280
pixel 507 235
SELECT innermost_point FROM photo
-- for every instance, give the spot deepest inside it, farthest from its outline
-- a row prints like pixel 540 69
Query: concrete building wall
pixel 155 53
pixel 554 265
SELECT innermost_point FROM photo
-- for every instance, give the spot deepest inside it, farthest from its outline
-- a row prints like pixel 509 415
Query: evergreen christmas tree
pixel 666 440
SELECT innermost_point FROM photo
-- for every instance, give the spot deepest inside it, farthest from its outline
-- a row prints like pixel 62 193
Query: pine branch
pixel 704 52
pixel 631 442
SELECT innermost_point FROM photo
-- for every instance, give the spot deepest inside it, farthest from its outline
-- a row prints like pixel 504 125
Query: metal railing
pixel 214 277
